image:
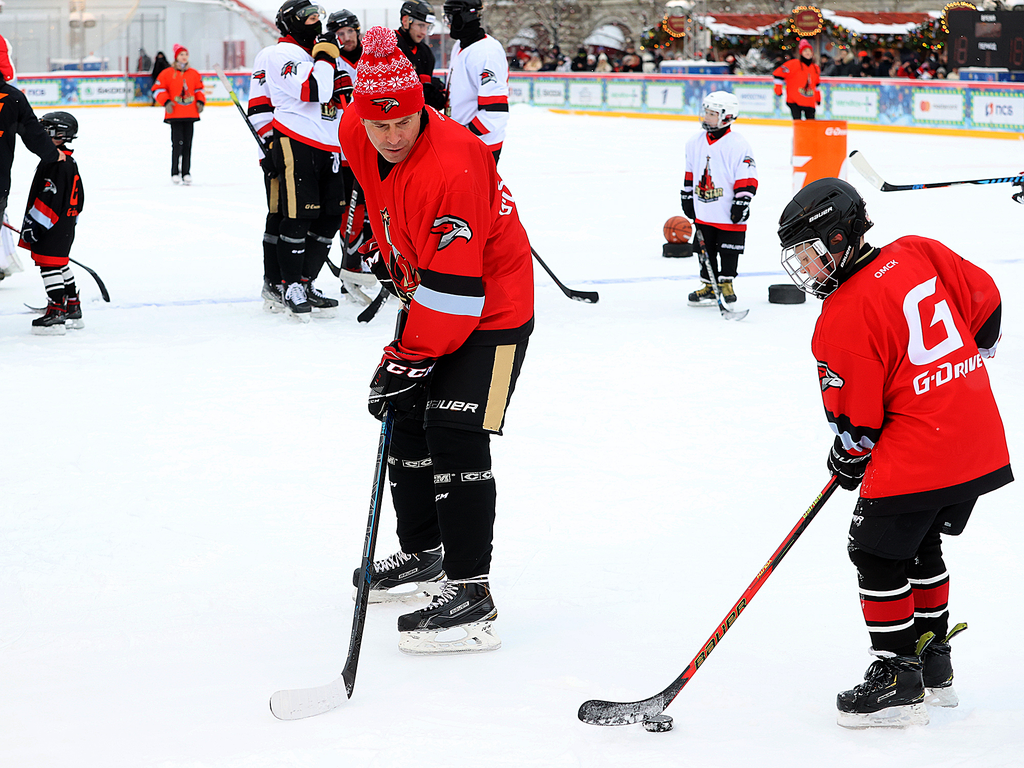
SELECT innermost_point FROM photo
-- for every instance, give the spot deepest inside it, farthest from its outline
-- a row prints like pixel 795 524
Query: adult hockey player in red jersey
pixel 901 345
pixel 719 182
pixel 453 249
pixel 800 77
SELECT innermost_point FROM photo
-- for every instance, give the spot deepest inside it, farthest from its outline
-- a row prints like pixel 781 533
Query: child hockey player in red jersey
pixel 720 182
pixel 900 344
pixel 452 248
pixel 55 200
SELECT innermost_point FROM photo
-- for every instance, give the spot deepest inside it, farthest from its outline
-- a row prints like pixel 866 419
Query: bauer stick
pixel 705 260
pixel 298 703
pixel 596 712
pixel 336 270
pixel 864 168
pixel 590 297
pixel 99 283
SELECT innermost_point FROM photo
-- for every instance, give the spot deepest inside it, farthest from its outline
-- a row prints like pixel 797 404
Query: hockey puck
pixel 676 250
pixel 657 723
pixel 786 293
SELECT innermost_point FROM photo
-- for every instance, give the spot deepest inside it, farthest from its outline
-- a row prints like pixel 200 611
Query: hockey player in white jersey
pixel 719 183
pixel 300 73
pixel 477 75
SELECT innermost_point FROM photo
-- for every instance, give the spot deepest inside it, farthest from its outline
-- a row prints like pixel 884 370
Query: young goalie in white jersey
pixel 720 182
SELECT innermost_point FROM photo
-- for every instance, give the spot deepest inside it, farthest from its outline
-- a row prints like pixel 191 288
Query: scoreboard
pixel 985 39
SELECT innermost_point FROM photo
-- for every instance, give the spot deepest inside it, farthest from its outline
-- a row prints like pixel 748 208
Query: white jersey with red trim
pixel 260 109
pixel 724 169
pixel 478 89
pixel 301 90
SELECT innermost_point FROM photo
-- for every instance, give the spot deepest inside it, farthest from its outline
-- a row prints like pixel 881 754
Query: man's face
pixel 394 139
pixel 417 29
pixel 313 18
pixel 348 38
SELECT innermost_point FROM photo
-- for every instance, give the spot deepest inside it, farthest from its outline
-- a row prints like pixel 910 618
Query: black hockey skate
pixel 405 577
pixel 702 297
pixel 459 620
pixel 53 322
pixel 295 302
pixel 273 301
pixel 892 694
pixel 938 672
pixel 73 318
pixel 323 305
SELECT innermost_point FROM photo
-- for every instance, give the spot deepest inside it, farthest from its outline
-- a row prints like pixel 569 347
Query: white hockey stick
pixel 864 168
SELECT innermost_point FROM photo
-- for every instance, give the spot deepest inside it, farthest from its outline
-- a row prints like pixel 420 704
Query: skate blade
pixel 941 697
pixel 711 303
pixel 298 317
pixel 49 330
pixel 404 593
pixel 326 313
pixel 892 717
pixel 74 325
pixel 475 637
pixel 272 307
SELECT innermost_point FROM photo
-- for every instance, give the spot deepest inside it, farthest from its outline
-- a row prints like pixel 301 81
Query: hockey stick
pixel 590 297
pixel 336 270
pixel 298 703
pixel 374 306
pixel 596 712
pixel 99 282
pixel 705 260
pixel 864 168
pixel 241 110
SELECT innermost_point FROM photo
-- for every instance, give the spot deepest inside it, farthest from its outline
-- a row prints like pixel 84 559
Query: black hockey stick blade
pixel 728 314
pixel 590 297
pixel 102 287
pixel 598 712
pixel 374 306
pixel 864 168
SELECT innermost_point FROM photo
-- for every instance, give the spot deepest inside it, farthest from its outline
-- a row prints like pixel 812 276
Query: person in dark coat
pixel 160 63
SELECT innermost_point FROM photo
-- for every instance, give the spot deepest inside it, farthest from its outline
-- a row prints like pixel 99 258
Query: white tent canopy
pixel 608 36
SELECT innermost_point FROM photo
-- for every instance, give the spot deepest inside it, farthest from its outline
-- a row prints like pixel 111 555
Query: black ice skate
pixel 273 301
pixel 52 323
pixel 892 694
pixel 295 302
pixel 938 672
pixel 323 305
pixel 703 297
pixel 405 577
pixel 73 318
pixel 459 620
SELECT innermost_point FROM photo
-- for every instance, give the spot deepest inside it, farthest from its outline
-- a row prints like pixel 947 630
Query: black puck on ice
pixel 786 293
pixel 657 723
pixel 677 250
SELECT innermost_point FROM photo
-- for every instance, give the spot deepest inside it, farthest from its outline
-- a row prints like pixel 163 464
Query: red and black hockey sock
pixel 411 473
pixel 887 601
pixel 929 581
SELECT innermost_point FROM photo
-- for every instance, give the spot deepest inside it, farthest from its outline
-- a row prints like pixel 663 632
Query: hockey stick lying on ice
pixel 598 712
pixel 99 283
pixel 590 297
pixel 298 703
pixel 702 254
pixel 864 168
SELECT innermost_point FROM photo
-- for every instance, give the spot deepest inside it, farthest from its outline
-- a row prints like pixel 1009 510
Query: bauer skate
pixel 459 620
pixel 296 305
pixel 53 322
pixel 73 318
pixel 892 694
pixel 938 672
pixel 403 577
pixel 324 307
pixel 702 297
pixel 273 301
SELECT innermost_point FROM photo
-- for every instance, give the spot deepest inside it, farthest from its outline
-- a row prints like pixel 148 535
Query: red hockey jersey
pixel 449 231
pixel 900 348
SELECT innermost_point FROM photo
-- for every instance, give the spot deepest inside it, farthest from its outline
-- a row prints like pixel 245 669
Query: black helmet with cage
pixel 820 232
pixel 461 13
pixel 292 18
pixel 60 125
pixel 418 10
pixel 340 19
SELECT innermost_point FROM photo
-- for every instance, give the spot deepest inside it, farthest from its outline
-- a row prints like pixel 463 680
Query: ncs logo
pixel 998 110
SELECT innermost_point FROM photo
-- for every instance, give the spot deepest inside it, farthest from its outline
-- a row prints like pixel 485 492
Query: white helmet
pixel 725 104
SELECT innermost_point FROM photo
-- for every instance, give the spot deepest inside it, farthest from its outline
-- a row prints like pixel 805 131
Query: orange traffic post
pixel 819 151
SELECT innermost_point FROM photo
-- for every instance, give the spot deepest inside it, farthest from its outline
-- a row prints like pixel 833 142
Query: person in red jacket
pixel 800 78
pixel 453 249
pixel 902 346
pixel 179 90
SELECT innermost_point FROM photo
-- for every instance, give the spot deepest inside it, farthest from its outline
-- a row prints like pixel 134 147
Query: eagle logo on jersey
pixel 291 68
pixel 49 186
pixel 706 189
pixel 748 160
pixel 385 104
pixel 450 228
pixel 487 77
pixel 828 378
pixel 260 76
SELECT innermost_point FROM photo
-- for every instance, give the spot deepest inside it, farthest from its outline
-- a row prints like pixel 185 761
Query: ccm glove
pixel 686 198
pixel 740 210
pixel 848 467
pixel 29 233
pixel 400 384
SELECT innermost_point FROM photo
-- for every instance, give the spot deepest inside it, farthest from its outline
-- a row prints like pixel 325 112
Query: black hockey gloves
pixel 740 210
pixel 400 384
pixel 848 468
pixel 268 164
pixel 29 233
pixel 686 198
pixel 1018 197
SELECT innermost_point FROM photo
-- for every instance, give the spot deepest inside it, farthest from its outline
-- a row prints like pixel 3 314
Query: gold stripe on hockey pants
pixel 501 379
pixel 288 179
pixel 274 196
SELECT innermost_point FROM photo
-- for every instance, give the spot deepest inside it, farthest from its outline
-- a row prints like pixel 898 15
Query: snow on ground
pixel 185 483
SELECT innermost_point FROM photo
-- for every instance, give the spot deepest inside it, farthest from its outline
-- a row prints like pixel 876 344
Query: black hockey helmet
pixel 291 20
pixel 459 13
pixel 339 19
pixel 60 125
pixel 418 10
pixel 820 231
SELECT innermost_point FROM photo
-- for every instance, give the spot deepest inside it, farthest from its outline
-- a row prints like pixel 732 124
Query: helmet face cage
pixel 722 103
pixel 811 267
pixel 60 125
pixel 340 19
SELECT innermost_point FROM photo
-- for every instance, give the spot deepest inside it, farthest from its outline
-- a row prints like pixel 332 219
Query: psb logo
pixel 487 77
pixel 291 68
pixel 49 186
pixel 385 104
pixel 828 378
pixel 260 76
pixel 450 228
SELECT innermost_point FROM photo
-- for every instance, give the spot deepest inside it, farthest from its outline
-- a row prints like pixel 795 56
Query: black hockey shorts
pixel 724 249
pixel 898 537
pixel 311 183
pixel 471 388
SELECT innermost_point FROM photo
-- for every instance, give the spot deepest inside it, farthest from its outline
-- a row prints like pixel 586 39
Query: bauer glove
pixel 400 384
pixel 848 467
pixel 686 198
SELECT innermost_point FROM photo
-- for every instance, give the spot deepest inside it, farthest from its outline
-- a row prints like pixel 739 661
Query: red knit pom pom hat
pixel 805 44
pixel 178 49
pixel 387 85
